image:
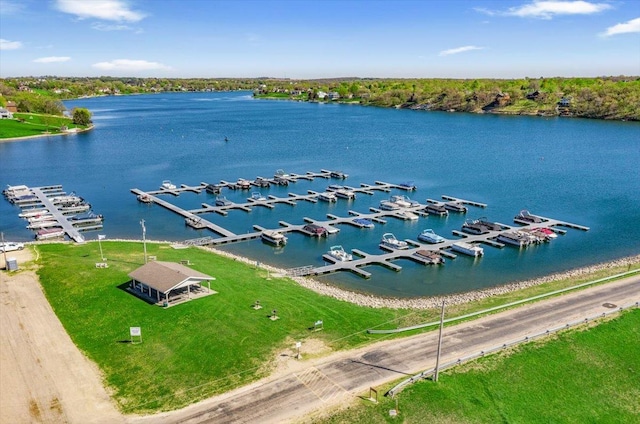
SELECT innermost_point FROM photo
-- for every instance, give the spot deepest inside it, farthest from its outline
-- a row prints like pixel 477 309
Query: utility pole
pixel 435 374
pixel 144 240
pixel 4 252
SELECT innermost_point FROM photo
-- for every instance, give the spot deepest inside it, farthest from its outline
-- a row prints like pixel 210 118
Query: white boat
pixel 75 209
pixel 334 187
pixel 49 233
pixel 345 193
pixel 430 237
pixel 273 237
pixel 328 196
pixel 390 241
pixel 514 238
pixel 407 215
pixel 39 218
pixel 66 200
pixel 167 185
pixel 363 222
pixel 222 201
pixel 257 196
pixel 33 212
pixel 243 184
pixel 42 224
pixel 403 201
pixel 195 222
pixel 467 248
pixel 386 205
pixel 338 174
pixel 338 253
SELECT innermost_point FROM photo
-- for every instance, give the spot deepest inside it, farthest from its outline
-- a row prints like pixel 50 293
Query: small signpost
pixel 100 238
pixel 298 345
pixel 257 305
pixel 135 332
pixel 373 391
pixel 318 325
pixel 274 315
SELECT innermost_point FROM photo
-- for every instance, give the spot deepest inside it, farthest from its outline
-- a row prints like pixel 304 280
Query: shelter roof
pixel 166 276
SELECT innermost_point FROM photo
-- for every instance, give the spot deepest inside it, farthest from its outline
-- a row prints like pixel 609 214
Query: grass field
pixel 210 345
pixel 33 124
pixel 577 377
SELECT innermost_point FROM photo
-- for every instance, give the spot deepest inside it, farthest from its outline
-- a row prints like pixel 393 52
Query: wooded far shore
pixel 612 98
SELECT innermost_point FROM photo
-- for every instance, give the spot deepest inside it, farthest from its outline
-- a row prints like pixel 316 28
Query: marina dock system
pixel 361 259
pixel 53 211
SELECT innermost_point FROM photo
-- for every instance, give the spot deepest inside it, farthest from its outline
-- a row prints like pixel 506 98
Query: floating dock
pixel 361 259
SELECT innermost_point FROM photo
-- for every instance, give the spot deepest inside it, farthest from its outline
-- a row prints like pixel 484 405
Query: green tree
pixel 81 116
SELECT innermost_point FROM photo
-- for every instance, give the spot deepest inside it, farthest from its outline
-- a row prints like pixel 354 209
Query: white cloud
pixel 52 59
pixel 109 10
pixel 9 45
pixel 129 65
pixel 631 26
pixel 548 9
pixel 459 50
pixel 107 27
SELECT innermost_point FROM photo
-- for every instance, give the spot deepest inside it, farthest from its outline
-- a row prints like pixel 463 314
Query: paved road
pixel 346 375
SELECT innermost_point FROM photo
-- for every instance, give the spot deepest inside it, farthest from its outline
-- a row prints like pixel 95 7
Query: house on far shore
pixel 11 106
pixel 5 114
pixel 334 95
pixel 168 283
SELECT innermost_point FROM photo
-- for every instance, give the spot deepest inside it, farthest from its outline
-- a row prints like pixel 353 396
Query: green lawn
pixel 578 377
pixel 209 345
pixel 193 350
pixel 27 124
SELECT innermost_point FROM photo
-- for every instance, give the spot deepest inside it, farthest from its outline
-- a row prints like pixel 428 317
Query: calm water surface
pixel 582 171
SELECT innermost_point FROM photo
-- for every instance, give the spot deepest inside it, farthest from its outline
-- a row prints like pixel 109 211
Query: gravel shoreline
pixel 373 301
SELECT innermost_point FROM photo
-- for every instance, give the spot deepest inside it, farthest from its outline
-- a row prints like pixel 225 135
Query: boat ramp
pixel 361 259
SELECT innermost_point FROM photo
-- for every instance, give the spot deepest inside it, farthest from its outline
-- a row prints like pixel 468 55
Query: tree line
pixel 599 97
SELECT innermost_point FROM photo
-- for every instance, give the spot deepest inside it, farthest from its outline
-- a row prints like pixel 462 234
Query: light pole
pixel 144 240
pixel 100 238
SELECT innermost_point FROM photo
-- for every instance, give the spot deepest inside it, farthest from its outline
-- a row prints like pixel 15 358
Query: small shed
pixel 169 283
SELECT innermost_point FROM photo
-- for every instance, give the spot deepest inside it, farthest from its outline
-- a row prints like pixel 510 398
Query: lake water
pixel 581 171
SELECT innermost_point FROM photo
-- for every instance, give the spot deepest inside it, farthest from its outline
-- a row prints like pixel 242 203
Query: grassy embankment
pixel 31 124
pixel 577 377
pixel 210 345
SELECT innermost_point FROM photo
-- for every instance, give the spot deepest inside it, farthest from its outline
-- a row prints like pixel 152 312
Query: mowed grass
pixel 580 376
pixel 192 350
pixel 213 344
pixel 33 124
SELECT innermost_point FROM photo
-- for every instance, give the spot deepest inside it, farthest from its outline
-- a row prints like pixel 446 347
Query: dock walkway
pixel 69 229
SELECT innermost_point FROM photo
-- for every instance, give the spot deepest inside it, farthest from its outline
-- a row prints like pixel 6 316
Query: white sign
pixel 298 344
pixel 319 322
pixel 135 331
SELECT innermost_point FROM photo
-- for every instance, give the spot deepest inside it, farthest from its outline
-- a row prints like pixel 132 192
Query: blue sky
pixel 318 39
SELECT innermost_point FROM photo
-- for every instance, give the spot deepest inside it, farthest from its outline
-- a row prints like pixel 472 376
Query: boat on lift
pixel 363 222
pixel 432 257
pixel 222 201
pixel 256 196
pixel 436 209
pixel 514 238
pixel 345 193
pixel 167 185
pixel 386 205
pixel 407 215
pixel 455 207
pixel 525 216
pixel 338 174
pixel 403 201
pixel 467 248
pixel 328 196
pixel 195 222
pixel 472 226
pixel 273 237
pixel 390 241
pixel 49 233
pixel 430 237
pixel 338 253
pixel 144 198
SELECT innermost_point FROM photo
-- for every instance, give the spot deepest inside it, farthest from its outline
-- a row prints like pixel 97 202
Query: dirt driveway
pixel 43 376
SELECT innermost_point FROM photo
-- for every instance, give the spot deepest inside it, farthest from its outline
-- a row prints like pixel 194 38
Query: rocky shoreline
pixel 372 301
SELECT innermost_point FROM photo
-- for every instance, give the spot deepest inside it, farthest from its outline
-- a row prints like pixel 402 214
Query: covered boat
pixel 467 248
pixel 431 256
pixel 363 222
pixel 273 237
